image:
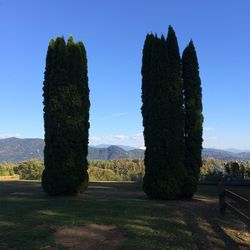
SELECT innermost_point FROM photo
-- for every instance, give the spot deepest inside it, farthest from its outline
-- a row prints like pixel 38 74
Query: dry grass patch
pixel 93 236
pixel 9 177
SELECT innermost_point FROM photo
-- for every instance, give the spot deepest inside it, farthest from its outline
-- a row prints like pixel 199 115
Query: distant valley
pixel 16 150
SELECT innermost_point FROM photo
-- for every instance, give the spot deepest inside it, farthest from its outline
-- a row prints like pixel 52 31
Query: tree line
pixel 98 170
pixel 212 170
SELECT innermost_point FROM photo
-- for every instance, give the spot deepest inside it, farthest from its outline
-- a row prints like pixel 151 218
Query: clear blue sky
pixel 113 32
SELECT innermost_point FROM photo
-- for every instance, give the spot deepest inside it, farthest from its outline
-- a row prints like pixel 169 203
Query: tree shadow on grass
pixel 206 226
pixel 30 218
pixel 34 218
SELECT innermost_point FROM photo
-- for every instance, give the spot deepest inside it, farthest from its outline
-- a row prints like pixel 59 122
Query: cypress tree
pixel 175 118
pixel 66 118
pixel 163 117
pixel 153 76
pixel 193 117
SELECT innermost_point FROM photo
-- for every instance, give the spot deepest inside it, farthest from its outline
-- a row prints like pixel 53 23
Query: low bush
pixel 6 169
pixel 125 169
pixel 99 174
pixel 29 170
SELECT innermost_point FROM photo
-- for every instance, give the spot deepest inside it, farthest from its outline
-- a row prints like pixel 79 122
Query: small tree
pixel 235 170
pixel 66 118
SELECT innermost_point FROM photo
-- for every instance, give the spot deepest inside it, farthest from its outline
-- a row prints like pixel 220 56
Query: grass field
pixel 114 216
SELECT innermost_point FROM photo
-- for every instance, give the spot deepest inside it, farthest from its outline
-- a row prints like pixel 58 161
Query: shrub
pixel 208 173
pixel 29 170
pixel 99 174
pixel 6 169
pixel 214 176
pixel 126 169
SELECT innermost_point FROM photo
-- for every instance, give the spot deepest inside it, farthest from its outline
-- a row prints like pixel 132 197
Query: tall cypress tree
pixel 66 118
pixel 163 117
pixel 153 77
pixel 175 118
pixel 193 117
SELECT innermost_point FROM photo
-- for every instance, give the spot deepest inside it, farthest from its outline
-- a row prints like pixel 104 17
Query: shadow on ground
pixel 29 219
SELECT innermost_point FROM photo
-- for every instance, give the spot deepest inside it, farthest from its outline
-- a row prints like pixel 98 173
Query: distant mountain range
pixel 127 148
pixel 113 152
pixel 225 155
pixel 16 150
pixel 236 150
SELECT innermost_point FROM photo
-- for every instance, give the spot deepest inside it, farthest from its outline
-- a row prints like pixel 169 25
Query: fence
pixel 235 203
pixel 216 178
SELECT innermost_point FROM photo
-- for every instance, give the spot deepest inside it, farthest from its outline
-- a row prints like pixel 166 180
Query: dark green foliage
pixel 193 116
pixel 175 115
pixel 163 117
pixel 66 118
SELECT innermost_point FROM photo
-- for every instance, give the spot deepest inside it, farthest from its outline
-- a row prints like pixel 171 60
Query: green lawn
pixel 29 219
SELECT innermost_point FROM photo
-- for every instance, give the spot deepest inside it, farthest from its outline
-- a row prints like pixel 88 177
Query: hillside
pixel 15 150
pixel 224 155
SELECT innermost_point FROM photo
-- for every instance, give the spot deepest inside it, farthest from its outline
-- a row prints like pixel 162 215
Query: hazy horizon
pixel 230 149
